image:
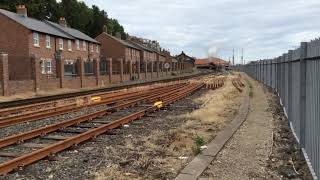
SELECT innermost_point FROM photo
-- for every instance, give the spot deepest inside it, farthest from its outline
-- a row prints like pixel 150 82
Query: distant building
pixel 212 63
pixel 120 50
pixel 185 58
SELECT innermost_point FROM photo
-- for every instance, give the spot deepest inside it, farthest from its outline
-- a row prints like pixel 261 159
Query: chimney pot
pixel 105 29
pixel 63 21
pixel 118 35
pixel 22 10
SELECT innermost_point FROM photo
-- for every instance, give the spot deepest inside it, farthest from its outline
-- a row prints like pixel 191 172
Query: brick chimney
pixel 63 22
pixel 22 10
pixel 118 35
pixel 105 29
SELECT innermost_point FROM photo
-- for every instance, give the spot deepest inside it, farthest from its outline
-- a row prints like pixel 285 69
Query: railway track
pixel 237 83
pixel 104 99
pixel 45 141
pixel 36 100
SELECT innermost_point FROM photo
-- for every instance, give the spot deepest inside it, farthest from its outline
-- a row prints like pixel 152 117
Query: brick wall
pixel 89 81
pixel 14 41
pixel 18 87
pixel 72 83
pixel 104 81
pixel 49 84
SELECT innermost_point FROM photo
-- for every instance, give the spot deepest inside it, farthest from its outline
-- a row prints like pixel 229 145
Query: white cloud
pixel 263 28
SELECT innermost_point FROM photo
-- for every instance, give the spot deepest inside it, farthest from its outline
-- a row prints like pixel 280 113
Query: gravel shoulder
pixel 263 147
pixel 246 154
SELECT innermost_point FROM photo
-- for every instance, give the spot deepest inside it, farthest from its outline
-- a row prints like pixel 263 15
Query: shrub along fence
pixel 295 76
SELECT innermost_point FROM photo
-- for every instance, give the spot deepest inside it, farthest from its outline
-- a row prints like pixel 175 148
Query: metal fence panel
pixel 296 97
pixel 313 113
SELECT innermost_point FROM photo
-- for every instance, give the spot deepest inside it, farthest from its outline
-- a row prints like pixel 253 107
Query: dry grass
pixel 165 149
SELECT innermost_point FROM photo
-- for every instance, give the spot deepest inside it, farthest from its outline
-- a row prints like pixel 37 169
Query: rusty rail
pixel 34 156
pixel 46 113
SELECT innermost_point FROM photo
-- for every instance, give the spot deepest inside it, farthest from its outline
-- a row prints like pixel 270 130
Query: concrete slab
pixel 196 167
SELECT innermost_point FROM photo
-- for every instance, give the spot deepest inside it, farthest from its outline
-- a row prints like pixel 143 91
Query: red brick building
pixel 123 54
pixel 43 55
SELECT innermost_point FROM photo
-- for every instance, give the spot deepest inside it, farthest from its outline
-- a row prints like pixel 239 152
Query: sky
pixel 263 28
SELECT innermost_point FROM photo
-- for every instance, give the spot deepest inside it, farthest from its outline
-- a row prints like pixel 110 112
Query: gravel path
pixel 245 155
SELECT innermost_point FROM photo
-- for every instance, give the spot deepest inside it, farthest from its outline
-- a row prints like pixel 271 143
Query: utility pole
pixel 233 57
pixel 242 57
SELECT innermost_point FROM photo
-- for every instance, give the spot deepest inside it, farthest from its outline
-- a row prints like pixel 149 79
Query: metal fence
pixel 295 76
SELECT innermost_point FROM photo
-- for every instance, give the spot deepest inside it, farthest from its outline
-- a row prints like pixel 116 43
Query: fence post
pixel 290 85
pixel 36 72
pixel 138 66
pixel 81 71
pixel 96 64
pixel 4 75
pixel 60 68
pixel 152 63
pixel 121 69
pixel 110 70
pixel 303 55
pixel 278 75
pixel 146 69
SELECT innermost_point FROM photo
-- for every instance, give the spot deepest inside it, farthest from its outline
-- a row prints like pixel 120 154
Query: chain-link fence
pixel 295 76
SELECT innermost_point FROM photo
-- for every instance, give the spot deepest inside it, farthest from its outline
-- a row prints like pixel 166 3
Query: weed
pixel 198 142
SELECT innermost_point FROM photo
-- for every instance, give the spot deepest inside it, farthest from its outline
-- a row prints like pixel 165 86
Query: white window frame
pixel 48 41
pixel 42 66
pixel 78 44
pixel 49 66
pixel 91 48
pixel 97 48
pixel 60 43
pixel 69 45
pixel 84 45
pixel 36 41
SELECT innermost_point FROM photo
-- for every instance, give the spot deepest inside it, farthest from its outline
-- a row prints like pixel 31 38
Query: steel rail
pixel 15 110
pixel 34 156
pixel 51 128
pixel 62 110
pixel 84 93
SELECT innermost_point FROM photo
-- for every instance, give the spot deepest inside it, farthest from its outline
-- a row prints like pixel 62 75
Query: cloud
pixel 263 28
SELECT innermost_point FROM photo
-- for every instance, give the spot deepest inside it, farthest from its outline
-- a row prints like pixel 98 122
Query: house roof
pixel 141 46
pixel 218 61
pixel 123 42
pixel 34 24
pixel 202 62
pixel 72 32
pixel 211 60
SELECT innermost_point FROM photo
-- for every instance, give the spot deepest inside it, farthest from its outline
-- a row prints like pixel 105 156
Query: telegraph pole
pixel 233 57
pixel 242 57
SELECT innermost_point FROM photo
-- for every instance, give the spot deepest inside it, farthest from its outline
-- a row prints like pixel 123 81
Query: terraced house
pixel 125 56
pixel 148 59
pixel 45 55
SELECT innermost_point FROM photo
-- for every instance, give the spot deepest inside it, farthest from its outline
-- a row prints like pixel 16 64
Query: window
pixel 91 47
pixel 70 68
pixel 78 44
pixel 84 46
pixel 61 44
pixel 48 66
pixel 88 67
pixel 42 65
pixel 97 48
pixel 69 45
pixel 36 39
pixel 48 41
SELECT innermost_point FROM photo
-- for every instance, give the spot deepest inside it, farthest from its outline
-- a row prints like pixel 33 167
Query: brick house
pixel 22 37
pixel 81 57
pixel 43 55
pixel 125 56
pixel 148 58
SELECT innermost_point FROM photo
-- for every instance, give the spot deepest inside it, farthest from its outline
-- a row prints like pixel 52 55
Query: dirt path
pixel 245 155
